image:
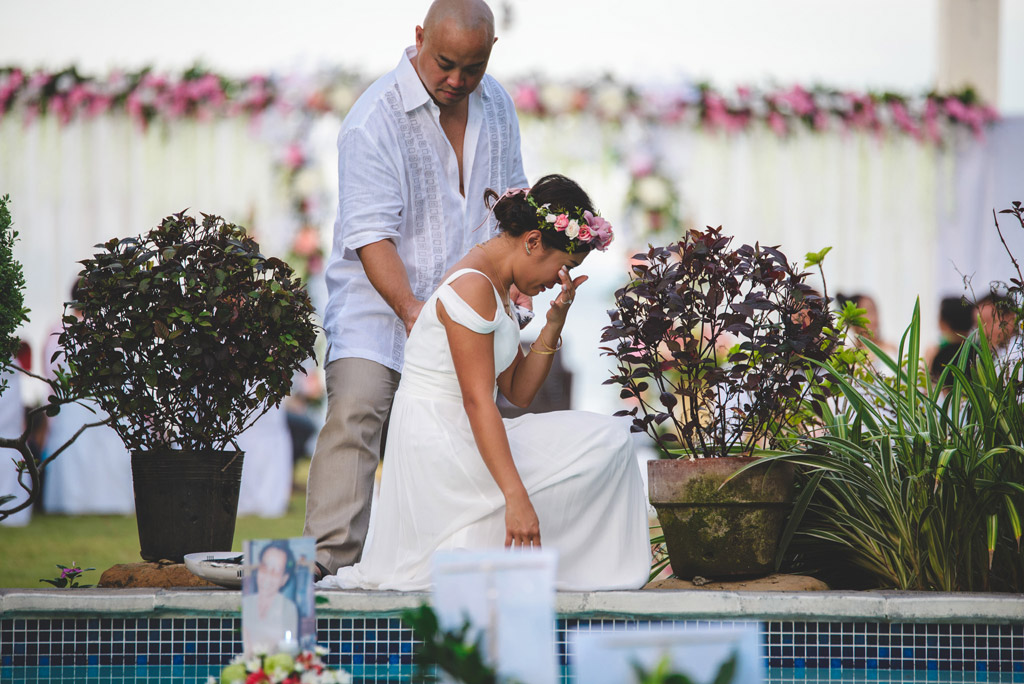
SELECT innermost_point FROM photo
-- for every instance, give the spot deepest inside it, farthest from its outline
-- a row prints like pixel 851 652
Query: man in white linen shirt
pixel 415 155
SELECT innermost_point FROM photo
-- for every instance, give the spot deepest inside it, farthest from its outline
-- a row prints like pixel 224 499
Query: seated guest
pixel 1002 329
pixel 873 330
pixel 956 320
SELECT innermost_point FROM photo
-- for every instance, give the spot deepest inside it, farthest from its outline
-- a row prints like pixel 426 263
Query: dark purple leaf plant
pixel 716 346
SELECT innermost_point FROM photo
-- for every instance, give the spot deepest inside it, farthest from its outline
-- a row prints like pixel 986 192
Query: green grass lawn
pixel 100 541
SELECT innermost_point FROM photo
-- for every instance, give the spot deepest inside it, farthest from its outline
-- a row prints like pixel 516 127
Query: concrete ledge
pixel 825 606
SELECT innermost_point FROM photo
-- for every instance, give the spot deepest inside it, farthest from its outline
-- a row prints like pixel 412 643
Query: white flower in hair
pixel 572 230
pixel 550 218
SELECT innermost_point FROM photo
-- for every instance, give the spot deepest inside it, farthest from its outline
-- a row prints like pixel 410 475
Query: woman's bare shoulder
pixel 476 289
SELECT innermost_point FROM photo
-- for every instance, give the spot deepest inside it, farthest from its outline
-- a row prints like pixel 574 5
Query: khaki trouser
pixel 341 474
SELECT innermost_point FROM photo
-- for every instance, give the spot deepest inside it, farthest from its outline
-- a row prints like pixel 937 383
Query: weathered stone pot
pixel 715 531
pixel 185 501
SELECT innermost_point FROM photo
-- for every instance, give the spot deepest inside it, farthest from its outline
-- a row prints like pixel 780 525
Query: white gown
pixel 93 476
pixel 437 494
pixel 267 467
pixel 12 423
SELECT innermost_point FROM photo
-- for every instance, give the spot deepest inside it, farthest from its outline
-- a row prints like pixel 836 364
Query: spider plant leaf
pixel 1011 510
pixel 941 466
pixel 992 529
pixel 797 516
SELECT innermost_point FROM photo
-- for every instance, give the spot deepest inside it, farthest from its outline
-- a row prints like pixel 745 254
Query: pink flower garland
pixel 147 97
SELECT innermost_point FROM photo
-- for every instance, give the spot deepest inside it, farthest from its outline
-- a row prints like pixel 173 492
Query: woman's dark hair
pixel 281 545
pixel 516 216
pixel 841 299
pixel 958 314
pixel 946 355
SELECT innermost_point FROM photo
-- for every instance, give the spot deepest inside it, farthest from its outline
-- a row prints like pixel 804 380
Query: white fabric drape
pixel 899 214
pixel 904 219
pixel 76 185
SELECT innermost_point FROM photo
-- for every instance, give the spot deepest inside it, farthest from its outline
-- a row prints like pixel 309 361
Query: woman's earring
pixel 528 252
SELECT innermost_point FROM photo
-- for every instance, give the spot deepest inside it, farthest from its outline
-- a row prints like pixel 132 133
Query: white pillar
pixel 969 47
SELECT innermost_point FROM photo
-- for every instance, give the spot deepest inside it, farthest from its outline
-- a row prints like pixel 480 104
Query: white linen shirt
pixel 398 179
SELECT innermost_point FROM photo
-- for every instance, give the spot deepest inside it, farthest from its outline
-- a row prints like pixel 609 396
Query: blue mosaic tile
pixel 383 646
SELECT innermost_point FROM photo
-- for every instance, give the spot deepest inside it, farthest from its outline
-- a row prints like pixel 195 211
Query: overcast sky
pixel 864 44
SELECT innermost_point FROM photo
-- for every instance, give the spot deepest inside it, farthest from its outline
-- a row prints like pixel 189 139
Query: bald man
pixel 415 155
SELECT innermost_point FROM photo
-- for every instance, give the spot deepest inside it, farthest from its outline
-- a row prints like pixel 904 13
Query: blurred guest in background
pixel 956 320
pixel 1002 329
pixel 873 330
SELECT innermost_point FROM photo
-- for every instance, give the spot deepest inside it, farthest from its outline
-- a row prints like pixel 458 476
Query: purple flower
pixel 600 229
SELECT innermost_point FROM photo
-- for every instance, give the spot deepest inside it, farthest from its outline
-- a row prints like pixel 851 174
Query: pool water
pixel 94 674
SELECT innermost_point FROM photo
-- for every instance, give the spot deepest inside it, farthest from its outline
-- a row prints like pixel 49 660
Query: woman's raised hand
pixel 522 528
pixel 560 304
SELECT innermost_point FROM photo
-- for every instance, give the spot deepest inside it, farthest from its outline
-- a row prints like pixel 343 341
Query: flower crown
pixel 578 226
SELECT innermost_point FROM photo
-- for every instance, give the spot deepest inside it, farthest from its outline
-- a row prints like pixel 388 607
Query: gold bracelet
pixel 537 351
pixel 547 349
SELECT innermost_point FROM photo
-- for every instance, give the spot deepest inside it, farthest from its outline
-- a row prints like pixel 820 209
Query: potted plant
pixel 712 345
pixel 186 334
pixel 915 484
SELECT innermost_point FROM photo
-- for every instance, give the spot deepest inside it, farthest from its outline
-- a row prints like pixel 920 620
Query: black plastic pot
pixel 185 501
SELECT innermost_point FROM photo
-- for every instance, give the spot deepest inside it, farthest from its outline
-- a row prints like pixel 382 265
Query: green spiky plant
pixel 920 484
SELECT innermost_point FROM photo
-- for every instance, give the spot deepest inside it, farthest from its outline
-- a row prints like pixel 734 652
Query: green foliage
pixel 69 577
pixel 919 486
pixel 816 259
pixel 12 289
pixel 451 651
pixel 712 344
pixel 188 334
pixel 662 673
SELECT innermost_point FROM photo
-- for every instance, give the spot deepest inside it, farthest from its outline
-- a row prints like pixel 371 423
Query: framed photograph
pixel 278 607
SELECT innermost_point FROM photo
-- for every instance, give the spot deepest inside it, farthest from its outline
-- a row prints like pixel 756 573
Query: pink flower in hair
pixel 585 235
pixel 600 229
pixel 561 222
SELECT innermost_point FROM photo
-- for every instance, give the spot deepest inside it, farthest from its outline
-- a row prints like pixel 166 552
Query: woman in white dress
pixel 458 476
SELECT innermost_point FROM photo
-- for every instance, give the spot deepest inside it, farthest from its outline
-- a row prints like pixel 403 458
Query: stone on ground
pixel 776 582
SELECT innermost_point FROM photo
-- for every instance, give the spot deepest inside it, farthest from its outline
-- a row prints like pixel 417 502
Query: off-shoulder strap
pixel 461 312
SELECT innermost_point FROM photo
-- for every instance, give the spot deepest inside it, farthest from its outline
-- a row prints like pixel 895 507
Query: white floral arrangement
pixel 281 668
pixel 652 200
